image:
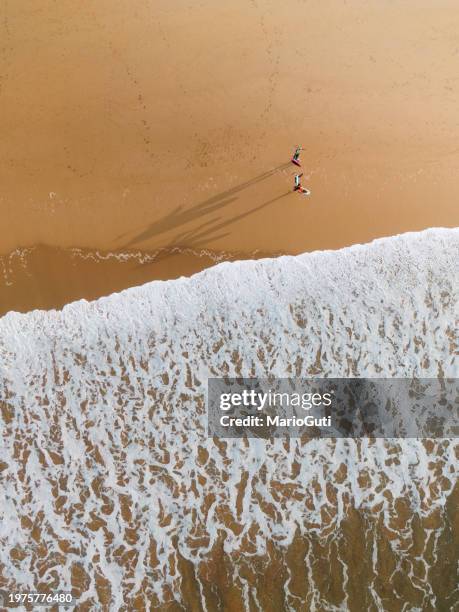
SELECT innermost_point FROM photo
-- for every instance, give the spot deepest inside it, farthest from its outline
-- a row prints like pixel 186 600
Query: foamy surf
pixel 44 277
pixel 112 488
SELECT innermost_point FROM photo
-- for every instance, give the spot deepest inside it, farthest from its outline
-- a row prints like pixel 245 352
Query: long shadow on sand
pixel 206 232
pixel 179 217
pixel 197 238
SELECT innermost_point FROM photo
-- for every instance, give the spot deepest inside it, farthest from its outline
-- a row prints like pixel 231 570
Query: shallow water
pixel 44 277
pixel 113 489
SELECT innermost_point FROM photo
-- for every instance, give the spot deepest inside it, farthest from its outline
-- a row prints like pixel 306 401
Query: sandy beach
pixel 132 127
pixel 147 141
pixel 150 140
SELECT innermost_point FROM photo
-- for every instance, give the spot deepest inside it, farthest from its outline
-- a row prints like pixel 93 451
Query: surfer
pixel 298 186
pixel 296 156
pixel 297 182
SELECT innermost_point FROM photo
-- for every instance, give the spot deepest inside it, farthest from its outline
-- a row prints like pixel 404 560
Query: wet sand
pixel 45 278
pixel 128 126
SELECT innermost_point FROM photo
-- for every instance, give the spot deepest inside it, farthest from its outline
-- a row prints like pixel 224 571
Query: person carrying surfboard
pixel 296 156
pixel 298 186
pixel 297 182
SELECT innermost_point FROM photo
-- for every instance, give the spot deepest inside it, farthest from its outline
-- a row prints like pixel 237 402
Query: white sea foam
pixel 103 405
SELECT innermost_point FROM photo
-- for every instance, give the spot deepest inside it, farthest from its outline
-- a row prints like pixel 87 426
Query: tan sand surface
pixel 130 125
